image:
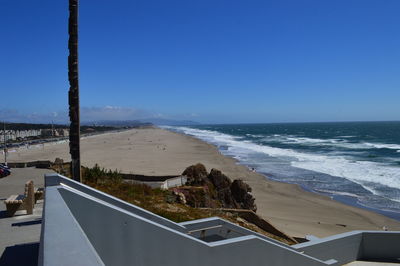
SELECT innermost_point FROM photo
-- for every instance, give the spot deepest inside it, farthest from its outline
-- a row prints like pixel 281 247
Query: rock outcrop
pixel 58 161
pixel 215 190
pixel 222 185
pixel 241 193
pixel 196 174
pixel 219 180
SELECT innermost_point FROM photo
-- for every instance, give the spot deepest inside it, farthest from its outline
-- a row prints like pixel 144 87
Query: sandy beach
pixel 154 151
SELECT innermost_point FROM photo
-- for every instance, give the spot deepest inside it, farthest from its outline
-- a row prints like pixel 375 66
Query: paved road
pixel 20 235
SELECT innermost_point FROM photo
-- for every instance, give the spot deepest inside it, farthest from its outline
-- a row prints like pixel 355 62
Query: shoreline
pixel 155 151
pixel 347 200
pixel 300 190
pixel 351 201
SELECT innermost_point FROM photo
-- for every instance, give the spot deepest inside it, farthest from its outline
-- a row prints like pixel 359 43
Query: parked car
pixel 4 170
pixel 2 173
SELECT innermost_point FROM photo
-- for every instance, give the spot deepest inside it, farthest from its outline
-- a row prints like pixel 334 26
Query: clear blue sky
pixel 208 61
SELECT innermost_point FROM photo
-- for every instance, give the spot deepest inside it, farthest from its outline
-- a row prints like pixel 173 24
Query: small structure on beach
pixel 162 182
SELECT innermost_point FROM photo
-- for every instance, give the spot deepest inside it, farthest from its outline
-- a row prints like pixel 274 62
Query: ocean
pixel 357 163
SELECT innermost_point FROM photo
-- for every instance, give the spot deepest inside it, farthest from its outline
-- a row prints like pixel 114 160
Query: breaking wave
pixel 370 175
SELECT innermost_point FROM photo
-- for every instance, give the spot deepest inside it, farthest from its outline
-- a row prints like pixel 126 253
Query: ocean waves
pixel 378 178
pixel 340 142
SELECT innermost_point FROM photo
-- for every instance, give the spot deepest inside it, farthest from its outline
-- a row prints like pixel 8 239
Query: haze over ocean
pixel 354 162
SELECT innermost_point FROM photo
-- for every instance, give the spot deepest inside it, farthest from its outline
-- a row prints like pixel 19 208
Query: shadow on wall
pixel 26 254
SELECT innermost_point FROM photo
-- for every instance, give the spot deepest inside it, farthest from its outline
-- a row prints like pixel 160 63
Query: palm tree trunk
pixel 73 95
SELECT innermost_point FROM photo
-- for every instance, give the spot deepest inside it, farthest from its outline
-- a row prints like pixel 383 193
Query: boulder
pixel 196 197
pixel 181 198
pixel 219 180
pixel 241 194
pixel 196 174
pixel 179 195
pixel 222 185
pixel 225 197
pixel 214 190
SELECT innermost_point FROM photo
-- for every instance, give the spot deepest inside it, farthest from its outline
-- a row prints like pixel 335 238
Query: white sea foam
pixel 341 193
pixel 338 142
pixel 291 139
pixel 255 135
pixel 310 140
pixel 383 146
pixel 356 171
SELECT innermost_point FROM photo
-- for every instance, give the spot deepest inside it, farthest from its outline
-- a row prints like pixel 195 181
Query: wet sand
pixel 154 151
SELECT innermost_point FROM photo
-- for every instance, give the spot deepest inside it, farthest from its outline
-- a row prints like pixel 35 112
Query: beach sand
pixel 154 151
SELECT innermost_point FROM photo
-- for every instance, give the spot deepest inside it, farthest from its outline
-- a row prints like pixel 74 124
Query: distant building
pixel 20 135
pixel 12 135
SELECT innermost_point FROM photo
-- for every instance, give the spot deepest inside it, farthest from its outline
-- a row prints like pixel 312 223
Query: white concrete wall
pixel 175 182
pixel 123 234
pixel 77 217
pixel 169 183
pixel 120 238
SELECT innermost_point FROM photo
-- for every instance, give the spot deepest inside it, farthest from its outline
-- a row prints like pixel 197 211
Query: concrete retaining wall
pixel 119 233
pixel 169 183
pixel 83 226
pixel 355 245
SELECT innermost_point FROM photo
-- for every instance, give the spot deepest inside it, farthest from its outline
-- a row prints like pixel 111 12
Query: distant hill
pixel 141 122
pixel 117 123
pixel 103 125
pixel 170 122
